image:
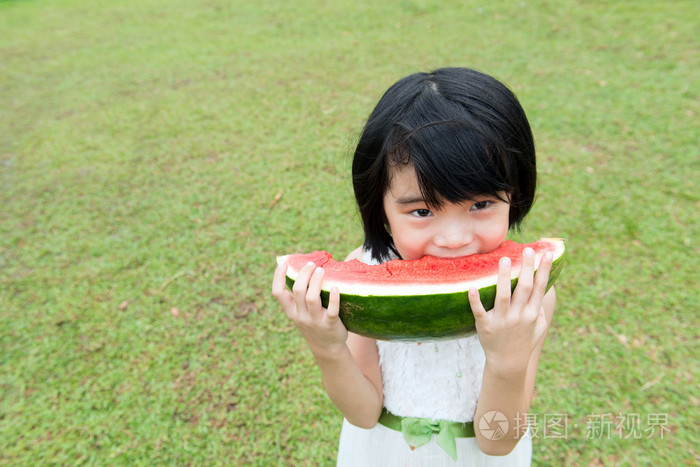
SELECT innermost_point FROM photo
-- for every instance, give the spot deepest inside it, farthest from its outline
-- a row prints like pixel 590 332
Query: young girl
pixel 445 167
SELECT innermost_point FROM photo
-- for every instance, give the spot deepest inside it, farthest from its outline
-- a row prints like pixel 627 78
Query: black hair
pixel 465 135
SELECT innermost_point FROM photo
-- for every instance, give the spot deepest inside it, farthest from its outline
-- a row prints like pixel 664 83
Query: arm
pixel 512 334
pixel 349 363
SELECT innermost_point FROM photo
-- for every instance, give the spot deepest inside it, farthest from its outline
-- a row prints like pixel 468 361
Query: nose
pixel 454 235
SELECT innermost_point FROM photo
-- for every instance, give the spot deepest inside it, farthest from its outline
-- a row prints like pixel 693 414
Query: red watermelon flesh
pixel 428 275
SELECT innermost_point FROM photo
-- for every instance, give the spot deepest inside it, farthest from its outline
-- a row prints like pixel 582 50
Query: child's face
pixel 472 227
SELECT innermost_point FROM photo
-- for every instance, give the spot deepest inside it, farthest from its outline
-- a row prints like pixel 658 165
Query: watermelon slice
pixel 420 299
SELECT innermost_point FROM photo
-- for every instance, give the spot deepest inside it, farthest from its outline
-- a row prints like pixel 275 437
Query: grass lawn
pixel 155 157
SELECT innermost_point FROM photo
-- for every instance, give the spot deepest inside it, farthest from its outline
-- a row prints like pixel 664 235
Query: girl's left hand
pixel 510 331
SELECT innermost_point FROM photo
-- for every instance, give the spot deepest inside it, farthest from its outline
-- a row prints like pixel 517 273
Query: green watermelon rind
pixel 417 317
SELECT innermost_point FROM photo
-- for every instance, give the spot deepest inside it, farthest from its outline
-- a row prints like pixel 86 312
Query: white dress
pixel 436 380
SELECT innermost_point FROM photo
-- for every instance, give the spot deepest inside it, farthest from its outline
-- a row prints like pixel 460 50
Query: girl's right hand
pixel 321 327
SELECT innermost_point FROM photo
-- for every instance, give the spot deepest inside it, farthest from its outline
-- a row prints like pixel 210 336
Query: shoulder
pixel 357 253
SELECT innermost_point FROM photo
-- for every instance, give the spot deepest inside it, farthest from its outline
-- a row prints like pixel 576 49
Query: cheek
pixel 409 243
pixel 495 232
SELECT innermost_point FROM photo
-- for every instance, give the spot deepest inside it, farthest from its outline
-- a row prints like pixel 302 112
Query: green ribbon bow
pixel 418 431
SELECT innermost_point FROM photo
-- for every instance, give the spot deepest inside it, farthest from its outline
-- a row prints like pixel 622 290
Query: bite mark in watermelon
pixel 418 299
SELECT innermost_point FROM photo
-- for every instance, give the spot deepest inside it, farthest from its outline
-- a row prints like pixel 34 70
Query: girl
pixel 445 166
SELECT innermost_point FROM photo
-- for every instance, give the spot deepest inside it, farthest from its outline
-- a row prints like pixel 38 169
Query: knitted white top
pixel 436 379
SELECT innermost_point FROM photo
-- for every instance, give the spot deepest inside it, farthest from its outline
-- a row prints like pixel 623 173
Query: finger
pixel 333 303
pixel 313 294
pixel 541 279
pixel 523 290
pixel 502 302
pixel 476 305
pixel 279 289
pixel 301 286
pixel 278 280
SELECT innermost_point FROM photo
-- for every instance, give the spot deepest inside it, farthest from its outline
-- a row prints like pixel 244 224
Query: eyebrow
pixel 410 199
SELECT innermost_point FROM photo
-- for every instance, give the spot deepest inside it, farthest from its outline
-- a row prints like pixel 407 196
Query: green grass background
pixel 142 146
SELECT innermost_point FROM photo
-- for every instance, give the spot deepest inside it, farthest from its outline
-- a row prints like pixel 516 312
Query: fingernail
pixel 529 252
pixel 505 261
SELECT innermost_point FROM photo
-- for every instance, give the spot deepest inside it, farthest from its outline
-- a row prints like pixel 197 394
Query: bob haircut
pixel 465 135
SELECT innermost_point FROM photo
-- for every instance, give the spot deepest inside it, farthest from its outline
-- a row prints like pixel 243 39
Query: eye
pixel 422 212
pixel 480 205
